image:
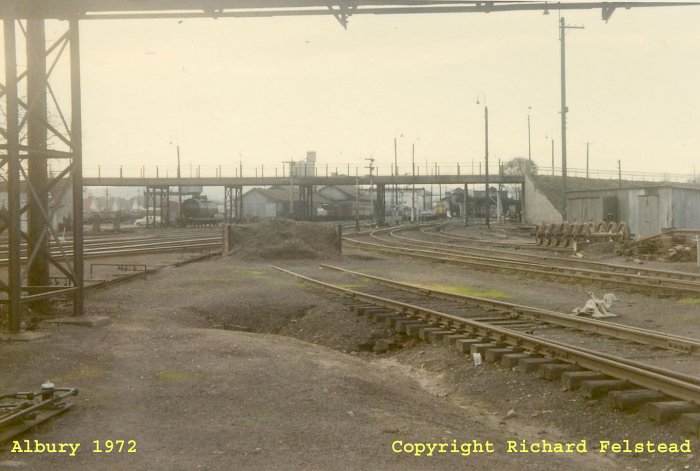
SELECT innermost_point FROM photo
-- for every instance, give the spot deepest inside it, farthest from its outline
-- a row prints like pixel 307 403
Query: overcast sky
pixel 268 90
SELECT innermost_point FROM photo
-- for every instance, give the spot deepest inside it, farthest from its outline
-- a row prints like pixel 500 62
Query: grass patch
pixel 689 301
pixel 174 376
pixel 81 372
pixel 351 285
pixel 467 291
pixel 250 273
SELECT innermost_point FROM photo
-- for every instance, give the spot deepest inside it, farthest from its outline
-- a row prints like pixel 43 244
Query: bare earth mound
pixel 284 239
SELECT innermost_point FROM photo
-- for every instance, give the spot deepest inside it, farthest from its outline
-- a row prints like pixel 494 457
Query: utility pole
pixel 396 174
pixel 357 203
pixel 413 190
pixel 588 145
pixel 466 190
pixel 371 202
pixel 619 173
pixel 529 142
pixel 179 187
pixel 552 156
pixel 564 109
pixel 486 159
pixel 486 167
pixel 291 186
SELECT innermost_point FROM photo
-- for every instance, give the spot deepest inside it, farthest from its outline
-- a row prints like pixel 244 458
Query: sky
pixel 264 91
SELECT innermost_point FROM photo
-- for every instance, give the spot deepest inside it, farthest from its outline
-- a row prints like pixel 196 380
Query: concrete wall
pixel 686 208
pixel 537 207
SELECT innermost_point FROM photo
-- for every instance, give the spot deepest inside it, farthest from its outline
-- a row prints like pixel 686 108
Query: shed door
pixel 648 215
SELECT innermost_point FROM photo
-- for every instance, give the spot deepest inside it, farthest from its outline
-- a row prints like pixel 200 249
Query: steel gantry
pixel 157 205
pixel 233 204
pixel 36 175
pixel 39 155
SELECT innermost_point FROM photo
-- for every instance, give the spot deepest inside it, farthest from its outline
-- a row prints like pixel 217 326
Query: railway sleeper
pixel 373 313
pixel 532 363
pixel 622 394
pixel 553 371
pixel 493 355
pixel 464 345
pixel 632 399
pixel 400 324
pixel 414 329
pixel 596 388
pixel 481 348
pixel 510 360
pixel 439 335
pixel 378 314
pixel 451 340
pixel 690 423
pixel 571 380
pixel 667 410
pixel 424 332
pixel 391 319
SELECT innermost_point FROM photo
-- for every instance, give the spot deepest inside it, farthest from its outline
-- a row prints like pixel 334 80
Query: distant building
pixel 305 168
pixel 274 202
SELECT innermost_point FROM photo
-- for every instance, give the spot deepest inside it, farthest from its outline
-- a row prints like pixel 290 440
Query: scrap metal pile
pixel 565 234
pixel 672 246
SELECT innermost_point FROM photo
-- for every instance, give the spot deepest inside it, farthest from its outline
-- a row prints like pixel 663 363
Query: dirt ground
pixel 230 364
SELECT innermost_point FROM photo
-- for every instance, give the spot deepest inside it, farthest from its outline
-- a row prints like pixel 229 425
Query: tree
pixel 520 166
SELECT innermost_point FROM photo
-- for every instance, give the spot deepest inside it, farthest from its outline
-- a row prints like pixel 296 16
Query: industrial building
pixel 647 209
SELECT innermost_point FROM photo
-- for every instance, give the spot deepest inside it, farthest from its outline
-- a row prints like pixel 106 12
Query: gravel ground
pixel 229 364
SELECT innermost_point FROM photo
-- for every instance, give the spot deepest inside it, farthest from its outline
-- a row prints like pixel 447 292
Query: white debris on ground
pixel 596 307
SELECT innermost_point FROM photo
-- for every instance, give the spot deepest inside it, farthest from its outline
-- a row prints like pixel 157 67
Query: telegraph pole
pixel 529 142
pixel 396 174
pixel 564 109
pixel 291 186
pixel 619 173
pixel 588 145
pixel 486 166
pixel 357 203
pixel 179 187
pixel 552 156
pixel 371 202
pixel 413 190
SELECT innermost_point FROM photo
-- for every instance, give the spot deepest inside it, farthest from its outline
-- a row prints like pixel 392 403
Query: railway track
pixel 435 228
pixel 99 247
pixel 475 246
pixel 663 393
pixel 656 281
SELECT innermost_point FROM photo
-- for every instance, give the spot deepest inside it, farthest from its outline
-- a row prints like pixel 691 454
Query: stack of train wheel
pixel 565 234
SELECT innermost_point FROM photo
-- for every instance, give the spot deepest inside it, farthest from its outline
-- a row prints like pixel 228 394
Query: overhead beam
pixel 144 9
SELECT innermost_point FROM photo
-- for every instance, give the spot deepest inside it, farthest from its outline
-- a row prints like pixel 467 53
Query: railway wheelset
pixel 565 234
